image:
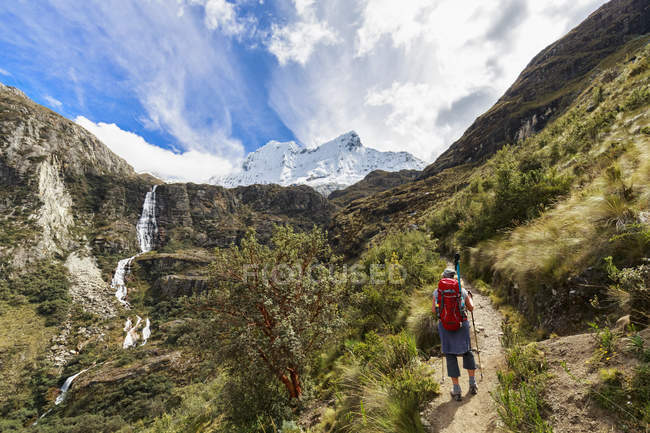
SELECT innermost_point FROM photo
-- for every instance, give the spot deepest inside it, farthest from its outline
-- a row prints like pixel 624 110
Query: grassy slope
pixel 23 337
pixel 603 151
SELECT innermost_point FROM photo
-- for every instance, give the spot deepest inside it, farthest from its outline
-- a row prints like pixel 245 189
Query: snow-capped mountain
pixel 331 166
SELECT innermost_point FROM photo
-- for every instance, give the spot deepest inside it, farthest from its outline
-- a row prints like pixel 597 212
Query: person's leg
pixel 454 373
pixel 469 364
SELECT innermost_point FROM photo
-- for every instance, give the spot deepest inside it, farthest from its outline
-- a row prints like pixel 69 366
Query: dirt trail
pixel 475 413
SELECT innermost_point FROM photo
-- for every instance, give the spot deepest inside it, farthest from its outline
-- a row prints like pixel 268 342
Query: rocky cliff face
pixel 208 216
pixel 549 83
pixel 374 183
pixel 57 171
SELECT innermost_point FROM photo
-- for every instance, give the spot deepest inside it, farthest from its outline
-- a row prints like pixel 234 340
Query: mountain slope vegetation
pixel 553 224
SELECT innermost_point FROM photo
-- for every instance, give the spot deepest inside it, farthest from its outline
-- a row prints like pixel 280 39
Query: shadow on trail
pixel 447 411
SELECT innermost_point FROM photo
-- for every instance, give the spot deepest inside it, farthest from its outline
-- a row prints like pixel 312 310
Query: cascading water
pixel 132 334
pixel 118 282
pixel 147 228
pixel 65 388
pixel 146 332
pixel 62 393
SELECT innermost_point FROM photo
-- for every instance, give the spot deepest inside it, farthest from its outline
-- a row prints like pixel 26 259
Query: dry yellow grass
pixel 570 235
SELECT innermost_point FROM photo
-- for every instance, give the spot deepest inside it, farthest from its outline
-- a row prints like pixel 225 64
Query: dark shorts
pixel 452 364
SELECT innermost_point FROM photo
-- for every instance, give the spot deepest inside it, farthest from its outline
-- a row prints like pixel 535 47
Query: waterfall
pixel 146 332
pixel 147 228
pixel 127 324
pixel 65 388
pixel 132 334
pixel 118 282
pixel 62 392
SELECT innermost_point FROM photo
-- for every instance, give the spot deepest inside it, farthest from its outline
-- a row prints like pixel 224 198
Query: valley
pixel 297 297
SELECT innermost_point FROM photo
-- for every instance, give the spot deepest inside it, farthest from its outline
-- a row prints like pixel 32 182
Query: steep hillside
pixel 374 182
pixel 80 228
pixel 549 84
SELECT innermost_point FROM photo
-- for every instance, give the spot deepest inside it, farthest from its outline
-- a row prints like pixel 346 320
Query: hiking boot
pixel 473 388
pixel 456 395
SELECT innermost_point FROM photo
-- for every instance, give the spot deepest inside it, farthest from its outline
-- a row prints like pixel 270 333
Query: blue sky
pixel 186 88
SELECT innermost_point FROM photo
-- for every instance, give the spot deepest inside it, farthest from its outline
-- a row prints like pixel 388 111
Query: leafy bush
pixel 520 406
pixel 387 354
pixel 80 424
pixel 519 395
pixel 200 411
pixel 631 289
pixel 378 304
pixel 638 97
pixel 518 195
pixel 273 307
pixel 132 399
pixel 414 250
pixel 525 361
pixel 605 342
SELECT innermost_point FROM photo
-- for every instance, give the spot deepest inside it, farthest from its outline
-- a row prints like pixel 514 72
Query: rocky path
pixel 475 413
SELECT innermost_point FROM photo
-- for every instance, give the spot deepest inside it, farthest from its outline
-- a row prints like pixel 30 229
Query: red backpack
pixel 449 304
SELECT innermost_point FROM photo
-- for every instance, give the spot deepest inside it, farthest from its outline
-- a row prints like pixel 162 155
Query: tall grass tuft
pixel 385 387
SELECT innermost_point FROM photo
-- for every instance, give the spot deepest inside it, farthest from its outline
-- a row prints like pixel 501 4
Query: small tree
pixel 275 305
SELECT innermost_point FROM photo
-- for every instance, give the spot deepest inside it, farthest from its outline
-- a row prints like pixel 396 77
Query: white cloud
pixel 397 19
pixel 190 166
pixel 185 78
pixel 297 40
pixel 221 15
pixel 53 102
pixel 5 72
pixel 413 75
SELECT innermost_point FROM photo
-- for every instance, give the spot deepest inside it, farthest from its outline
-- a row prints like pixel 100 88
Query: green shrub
pixel 132 399
pixel 521 187
pixel 525 362
pixel 626 398
pixel 387 354
pixel 605 341
pixel 631 289
pixel 518 196
pixel 519 395
pixel 638 97
pixel 520 407
pixel 414 250
pixel 200 410
pixel 381 304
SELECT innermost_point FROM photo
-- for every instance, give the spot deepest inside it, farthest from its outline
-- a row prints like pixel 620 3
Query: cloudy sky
pixel 186 88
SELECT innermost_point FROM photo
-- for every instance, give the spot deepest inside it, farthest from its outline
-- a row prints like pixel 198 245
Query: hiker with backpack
pixel 450 303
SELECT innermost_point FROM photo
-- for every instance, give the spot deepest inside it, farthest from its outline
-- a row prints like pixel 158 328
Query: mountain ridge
pixel 549 84
pixel 333 165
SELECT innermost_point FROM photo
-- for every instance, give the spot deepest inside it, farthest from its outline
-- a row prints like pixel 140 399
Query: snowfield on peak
pixel 326 168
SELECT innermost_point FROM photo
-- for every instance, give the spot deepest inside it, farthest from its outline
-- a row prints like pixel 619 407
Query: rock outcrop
pixel 210 216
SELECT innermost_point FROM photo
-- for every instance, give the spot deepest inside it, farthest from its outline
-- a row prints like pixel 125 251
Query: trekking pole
pixel 478 352
pixel 442 366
